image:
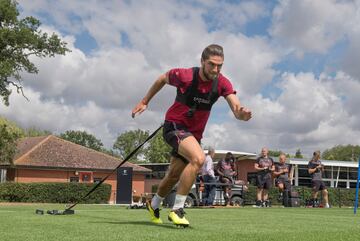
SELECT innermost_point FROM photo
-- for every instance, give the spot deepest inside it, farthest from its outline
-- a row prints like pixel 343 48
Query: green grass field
pixel 106 222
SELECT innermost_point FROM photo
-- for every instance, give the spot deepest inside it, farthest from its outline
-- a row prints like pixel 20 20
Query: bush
pixel 337 196
pixel 53 192
pixel 154 188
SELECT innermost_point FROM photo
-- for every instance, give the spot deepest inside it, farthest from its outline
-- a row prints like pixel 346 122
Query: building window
pixel 343 173
pixel 352 173
pixel 85 177
pixel 303 171
pixel 342 184
pixel 352 184
pixel 2 175
pixel 74 179
pixel 97 179
pixel 305 182
pixel 327 172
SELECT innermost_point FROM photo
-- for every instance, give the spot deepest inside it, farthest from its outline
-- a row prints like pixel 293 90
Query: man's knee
pixel 198 160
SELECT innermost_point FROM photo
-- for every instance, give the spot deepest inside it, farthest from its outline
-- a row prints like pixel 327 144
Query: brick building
pixel 52 159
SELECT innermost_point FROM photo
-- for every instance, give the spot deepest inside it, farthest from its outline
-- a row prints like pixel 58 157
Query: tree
pixel 157 151
pixel 9 134
pixel 128 141
pixel 298 154
pixel 274 153
pixel 342 153
pixel 277 153
pixel 83 138
pixel 20 39
pixel 33 131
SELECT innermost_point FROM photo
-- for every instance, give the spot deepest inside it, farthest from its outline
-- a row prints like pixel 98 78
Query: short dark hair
pixel 316 155
pixel 212 50
pixel 229 155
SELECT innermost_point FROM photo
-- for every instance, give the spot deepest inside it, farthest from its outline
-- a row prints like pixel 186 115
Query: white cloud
pixel 312 26
pixel 96 91
pixel 248 62
pixel 309 114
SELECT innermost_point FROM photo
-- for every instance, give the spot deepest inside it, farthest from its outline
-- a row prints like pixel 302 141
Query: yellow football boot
pixel 154 214
pixel 177 217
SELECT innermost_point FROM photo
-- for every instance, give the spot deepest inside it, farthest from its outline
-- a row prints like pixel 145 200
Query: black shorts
pixel 263 181
pixel 318 185
pixel 279 181
pixel 173 134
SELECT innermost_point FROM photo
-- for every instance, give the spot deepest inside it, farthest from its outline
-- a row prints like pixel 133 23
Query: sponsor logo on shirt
pixel 201 100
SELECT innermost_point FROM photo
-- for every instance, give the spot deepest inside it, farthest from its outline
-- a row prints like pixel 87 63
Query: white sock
pixel 156 201
pixel 179 201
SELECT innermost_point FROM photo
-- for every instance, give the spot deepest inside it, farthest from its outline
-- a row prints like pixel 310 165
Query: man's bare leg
pixel 167 183
pixel 192 151
pixel 326 198
pixel 259 193
pixel 172 176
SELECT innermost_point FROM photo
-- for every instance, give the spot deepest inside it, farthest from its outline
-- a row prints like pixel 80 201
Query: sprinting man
pixel 197 90
pixel 315 169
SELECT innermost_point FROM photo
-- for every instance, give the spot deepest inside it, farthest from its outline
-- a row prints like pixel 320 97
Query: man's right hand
pixel 139 108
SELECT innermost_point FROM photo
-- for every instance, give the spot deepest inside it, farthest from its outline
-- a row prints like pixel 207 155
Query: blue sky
pixel 293 63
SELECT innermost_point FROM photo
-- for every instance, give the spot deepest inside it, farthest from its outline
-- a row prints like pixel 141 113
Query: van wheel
pixel 189 202
pixel 237 201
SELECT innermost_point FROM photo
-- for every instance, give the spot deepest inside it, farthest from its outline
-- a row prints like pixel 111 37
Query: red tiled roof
pixel 53 152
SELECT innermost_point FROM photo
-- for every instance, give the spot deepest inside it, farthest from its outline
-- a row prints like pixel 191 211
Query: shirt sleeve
pixel 209 167
pixel 180 78
pixel 226 87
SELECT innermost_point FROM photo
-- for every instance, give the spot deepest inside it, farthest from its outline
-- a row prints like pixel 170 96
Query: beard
pixel 209 76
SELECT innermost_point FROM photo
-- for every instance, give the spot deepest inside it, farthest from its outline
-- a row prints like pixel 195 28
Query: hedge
pixel 53 192
pixel 337 196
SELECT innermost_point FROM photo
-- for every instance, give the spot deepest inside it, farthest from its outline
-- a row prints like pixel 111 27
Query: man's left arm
pixel 240 112
pixel 272 168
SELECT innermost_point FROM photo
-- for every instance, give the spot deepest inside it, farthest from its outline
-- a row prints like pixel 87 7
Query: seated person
pixel 226 171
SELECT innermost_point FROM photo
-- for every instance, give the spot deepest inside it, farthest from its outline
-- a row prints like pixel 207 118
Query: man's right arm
pixel 277 171
pixel 156 87
pixel 240 112
pixel 258 168
pixel 312 169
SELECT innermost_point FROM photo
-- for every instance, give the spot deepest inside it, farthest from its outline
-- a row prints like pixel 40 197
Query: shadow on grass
pixel 146 223
pixel 140 223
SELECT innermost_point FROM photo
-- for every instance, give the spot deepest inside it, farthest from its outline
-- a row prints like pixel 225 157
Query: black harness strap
pixel 196 100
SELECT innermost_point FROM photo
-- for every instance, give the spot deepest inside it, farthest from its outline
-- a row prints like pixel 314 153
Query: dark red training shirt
pixel 181 79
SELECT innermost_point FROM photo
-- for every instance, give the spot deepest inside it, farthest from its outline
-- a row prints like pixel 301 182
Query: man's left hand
pixel 244 114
